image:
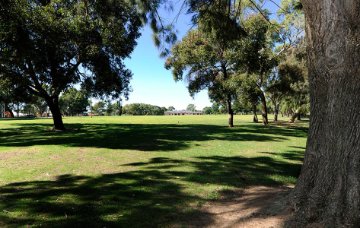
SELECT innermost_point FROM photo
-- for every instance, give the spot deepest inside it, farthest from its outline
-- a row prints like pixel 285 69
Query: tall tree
pixel 289 84
pixel 207 63
pixel 47 46
pixel 257 56
pixel 248 92
pixel 327 191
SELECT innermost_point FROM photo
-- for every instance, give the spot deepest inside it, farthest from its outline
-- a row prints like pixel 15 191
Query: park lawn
pixel 137 171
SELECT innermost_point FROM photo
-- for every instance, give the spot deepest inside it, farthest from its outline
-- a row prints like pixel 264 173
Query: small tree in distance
pixel 171 108
pixel 191 108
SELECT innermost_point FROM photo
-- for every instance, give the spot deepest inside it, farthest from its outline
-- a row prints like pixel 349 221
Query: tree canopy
pixel 48 46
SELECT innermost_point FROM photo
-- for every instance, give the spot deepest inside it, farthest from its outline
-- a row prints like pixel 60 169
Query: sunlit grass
pixel 136 170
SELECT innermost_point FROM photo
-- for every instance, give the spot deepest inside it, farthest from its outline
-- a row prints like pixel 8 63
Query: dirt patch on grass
pixel 17 153
pixel 258 207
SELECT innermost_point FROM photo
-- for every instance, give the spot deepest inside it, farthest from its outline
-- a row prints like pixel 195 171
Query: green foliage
pixel 48 46
pixel 215 109
pixel 137 109
pixel 36 106
pixel 74 102
pixel 218 19
pixel 99 108
pixel 207 110
pixel 248 91
pixel 191 108
pixel 29 109
pixel 292 80
pixel 171 108
pixel 117 108
pixel 11 93
pixel 256 54
pixel 293 21
pixel 204 64
pixel 53 38
pixel 112 109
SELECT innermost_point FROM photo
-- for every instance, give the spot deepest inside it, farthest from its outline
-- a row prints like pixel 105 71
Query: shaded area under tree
pixel 144 198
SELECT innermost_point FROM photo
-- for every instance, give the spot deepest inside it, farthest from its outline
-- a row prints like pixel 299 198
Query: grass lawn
pixel 133 171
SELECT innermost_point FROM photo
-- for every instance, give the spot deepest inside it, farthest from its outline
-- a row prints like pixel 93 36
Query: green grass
pixel 133 171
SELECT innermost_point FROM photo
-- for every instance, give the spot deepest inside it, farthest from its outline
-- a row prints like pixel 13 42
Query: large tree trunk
pixel 255 118
pixel 53 103
pixel 328 189
pixel 264 111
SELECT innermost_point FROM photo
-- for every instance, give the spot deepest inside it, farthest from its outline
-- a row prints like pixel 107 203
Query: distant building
pixel 2 110
pixel 182 113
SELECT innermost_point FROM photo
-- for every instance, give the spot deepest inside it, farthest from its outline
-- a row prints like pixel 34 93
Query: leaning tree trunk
pixel 264 111
pixel 328 189
pixel 53 103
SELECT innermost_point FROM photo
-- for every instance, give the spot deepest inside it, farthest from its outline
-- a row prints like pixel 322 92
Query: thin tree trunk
pixel 255 118
pixel 264 111
pixel 18 111
pixel 276 111
pixel 328 190
pixel 53 104
pixel 230 111
pixel 276 116
pixel 295 116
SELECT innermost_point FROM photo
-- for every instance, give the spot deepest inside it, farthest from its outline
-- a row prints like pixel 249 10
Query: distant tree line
pixel 138 109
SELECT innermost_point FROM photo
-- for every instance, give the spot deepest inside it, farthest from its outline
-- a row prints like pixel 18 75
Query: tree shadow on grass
pixel 154 195
pixel 143 137
pixel 294 155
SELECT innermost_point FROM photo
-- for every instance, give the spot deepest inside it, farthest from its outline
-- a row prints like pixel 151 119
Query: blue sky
pixel 152 83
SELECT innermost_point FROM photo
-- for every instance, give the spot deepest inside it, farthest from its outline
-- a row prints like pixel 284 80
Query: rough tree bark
pixel 328 189
pixel 53 103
